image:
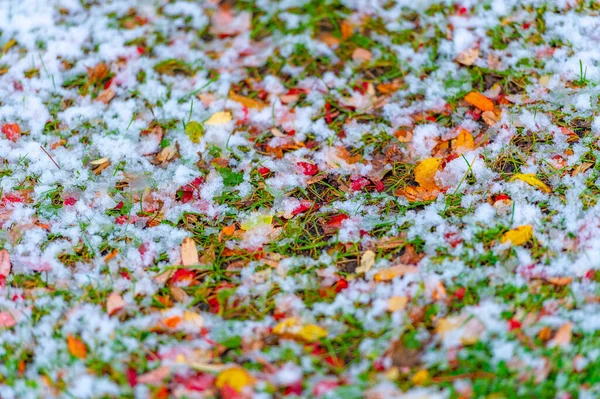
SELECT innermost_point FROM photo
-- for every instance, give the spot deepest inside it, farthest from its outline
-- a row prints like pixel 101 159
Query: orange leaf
pixel 464 142
pixel 247 102
pixel 393 272
pixel 76 347
pixel 480 101
pixel 229 230
pixel 172 322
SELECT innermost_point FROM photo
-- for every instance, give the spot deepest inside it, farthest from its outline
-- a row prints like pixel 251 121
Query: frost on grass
pixel 327 199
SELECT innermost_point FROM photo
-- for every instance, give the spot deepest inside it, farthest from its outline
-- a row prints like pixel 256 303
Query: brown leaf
pixel 106 96
pixel 391 242
pixel 189 252
pixel 581 168
pixel 393 272
pixel 361 55
pixel 559 281
pixel 468 56
pixel 179 294
pixel 99 165
pixel 417 194
pixel 347 29
pixel 563 336
pixel 489 117
pixel 410 256
pixel 114 303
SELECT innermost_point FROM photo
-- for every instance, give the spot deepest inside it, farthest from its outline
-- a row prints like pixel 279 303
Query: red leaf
pixel 308 169
pixel 12 131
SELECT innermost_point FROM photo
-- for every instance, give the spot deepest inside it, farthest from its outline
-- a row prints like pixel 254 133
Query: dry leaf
pixel 367 260
pixel 234 377
pixel 464 142
pixel 218 118
pixel 347 29
pixel 468 56
pixel 76 347
pixel 114 303
pixel 562 337
pixel 246 102
pixel 480 101
pixel 99 165
pixel 179 294
pixel 532 180
pixel 106 96
pixel 189 252
pixel 418 194
pixel 4 263
pixel 559 281
pixel 425 173
pixel 582 168
pixel 361 55
pixel 489 117
pixel 420 377
pixel 166 154
pixel 519 235
pixel 154 377
pixel 290 327
pixel 393 272
pixel 397 303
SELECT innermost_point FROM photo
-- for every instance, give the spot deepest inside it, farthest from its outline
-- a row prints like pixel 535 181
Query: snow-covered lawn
pixel 315 198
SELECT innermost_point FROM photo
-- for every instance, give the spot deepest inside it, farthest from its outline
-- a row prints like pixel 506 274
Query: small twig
pixel 50 156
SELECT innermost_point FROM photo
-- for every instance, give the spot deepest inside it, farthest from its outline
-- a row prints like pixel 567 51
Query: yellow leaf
pixel 519 235
pixel 256 220
pixel 234 377
pixel 420 377
pixel 76 347
pixel 367 260
pixel 218 118
pixel 480 101
pixel 311 333
pixel 393 272
pixel 397 303
pixel 246 102
pixel 189 253
pixel 291 327
pixel 425 172
pixel 530 179
pixel 463 142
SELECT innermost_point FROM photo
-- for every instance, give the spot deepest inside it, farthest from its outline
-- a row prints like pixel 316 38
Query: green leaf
pixel 230 178
pixel 173 67
pixel 194 130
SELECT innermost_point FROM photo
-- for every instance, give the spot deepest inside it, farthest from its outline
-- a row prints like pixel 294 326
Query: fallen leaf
pixel 463 142
pixel 167 154
pixel 256 220
pixel 106 96
pixel 559 281
pixel 7 320
pixel 420 377
pixel 218 118
pixel 4 263
pixel 189 252
pixel 563 335
pixel 468 56
pixel 367 260
pixel 519 235
pixel 480 101
pixel 393 272
pixel 76 347
pixel 396 303
pixel 311 333
pixel 194 130
pixel 532 180
pixel 582 168
pixel 114 303
pixel 489 117
pixel 154 377
pixel 290 327
pixel 234 377
pixel 425 172
pixel 361 55
pixel 247 102
pixel 418 194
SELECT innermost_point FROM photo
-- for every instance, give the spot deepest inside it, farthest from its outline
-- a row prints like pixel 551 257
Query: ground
pixel 314 198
